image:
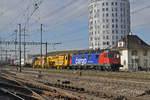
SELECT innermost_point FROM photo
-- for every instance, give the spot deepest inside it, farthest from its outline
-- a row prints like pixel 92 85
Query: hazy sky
pixel 63 21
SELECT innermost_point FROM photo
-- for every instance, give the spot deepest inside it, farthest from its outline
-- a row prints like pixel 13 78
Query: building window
pixel 103 26
pixel 112 20
pixel 113 43
pixel 120 4
pixel 112 9
pixel 121 9
pixel 103 37
pixel 107 20
pixel 116 3
pixel 107 26
pixel 107 42
pixel 116 20
pixel 103 4
pixel 106 9
pixel 112 25
pixel 112 3
pixel 103 9
pixel 104 43
pixel 107 14
pixel 116 14
pixel 134 53
pixel 112 31
pixel 116 9
pixel 145 53
pixel 121 31
pixel 112 14
pixel 106 3
pixel 121 26
pixel 107 37
pixel 116 25
pixel 116 31
pixel 120 44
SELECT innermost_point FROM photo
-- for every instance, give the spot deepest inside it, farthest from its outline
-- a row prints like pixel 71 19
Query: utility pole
pixel 15 44
pixel 46 54
pixel 41 43
pixel 20 46
pixel 24 46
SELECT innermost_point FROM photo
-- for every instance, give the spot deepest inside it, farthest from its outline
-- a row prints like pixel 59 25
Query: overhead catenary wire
pixel 136 11
pixel 61 20
pixel 68 33
pixel 74 32
pixel 60 9
pixel 140 9
pixel 19 16
pixel 62 23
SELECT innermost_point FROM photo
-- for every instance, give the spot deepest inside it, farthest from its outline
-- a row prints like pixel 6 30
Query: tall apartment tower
pixel 109 21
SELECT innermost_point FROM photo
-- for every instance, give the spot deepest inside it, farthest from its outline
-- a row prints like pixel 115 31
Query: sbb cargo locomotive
pixel 106 60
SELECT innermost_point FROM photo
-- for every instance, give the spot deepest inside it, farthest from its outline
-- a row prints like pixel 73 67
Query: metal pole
pixel 15 44
pixel 41 43
pixel 46 53
pixel 20 46
pixel 24 48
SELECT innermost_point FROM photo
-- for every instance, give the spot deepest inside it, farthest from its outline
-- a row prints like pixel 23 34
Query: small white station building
pixel 135 53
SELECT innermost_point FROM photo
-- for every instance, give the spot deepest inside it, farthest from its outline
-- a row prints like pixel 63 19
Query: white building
pixel 135 53
pixel 109 21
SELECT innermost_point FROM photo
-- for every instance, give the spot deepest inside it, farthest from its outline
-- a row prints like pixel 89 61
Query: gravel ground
pixel 127 87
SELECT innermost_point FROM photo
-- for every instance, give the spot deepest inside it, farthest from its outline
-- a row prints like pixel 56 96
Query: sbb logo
pixel 81 61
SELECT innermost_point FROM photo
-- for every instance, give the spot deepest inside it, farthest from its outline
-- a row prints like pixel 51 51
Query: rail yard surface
pixel 46 84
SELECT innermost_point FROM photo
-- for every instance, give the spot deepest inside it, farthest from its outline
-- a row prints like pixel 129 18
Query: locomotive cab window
pixel 97 56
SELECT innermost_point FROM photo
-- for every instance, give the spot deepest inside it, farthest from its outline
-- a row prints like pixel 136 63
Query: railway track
pixel 102 94
pixel 107 82
pixel 23 89
pixel 43 88
pixel 16 90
